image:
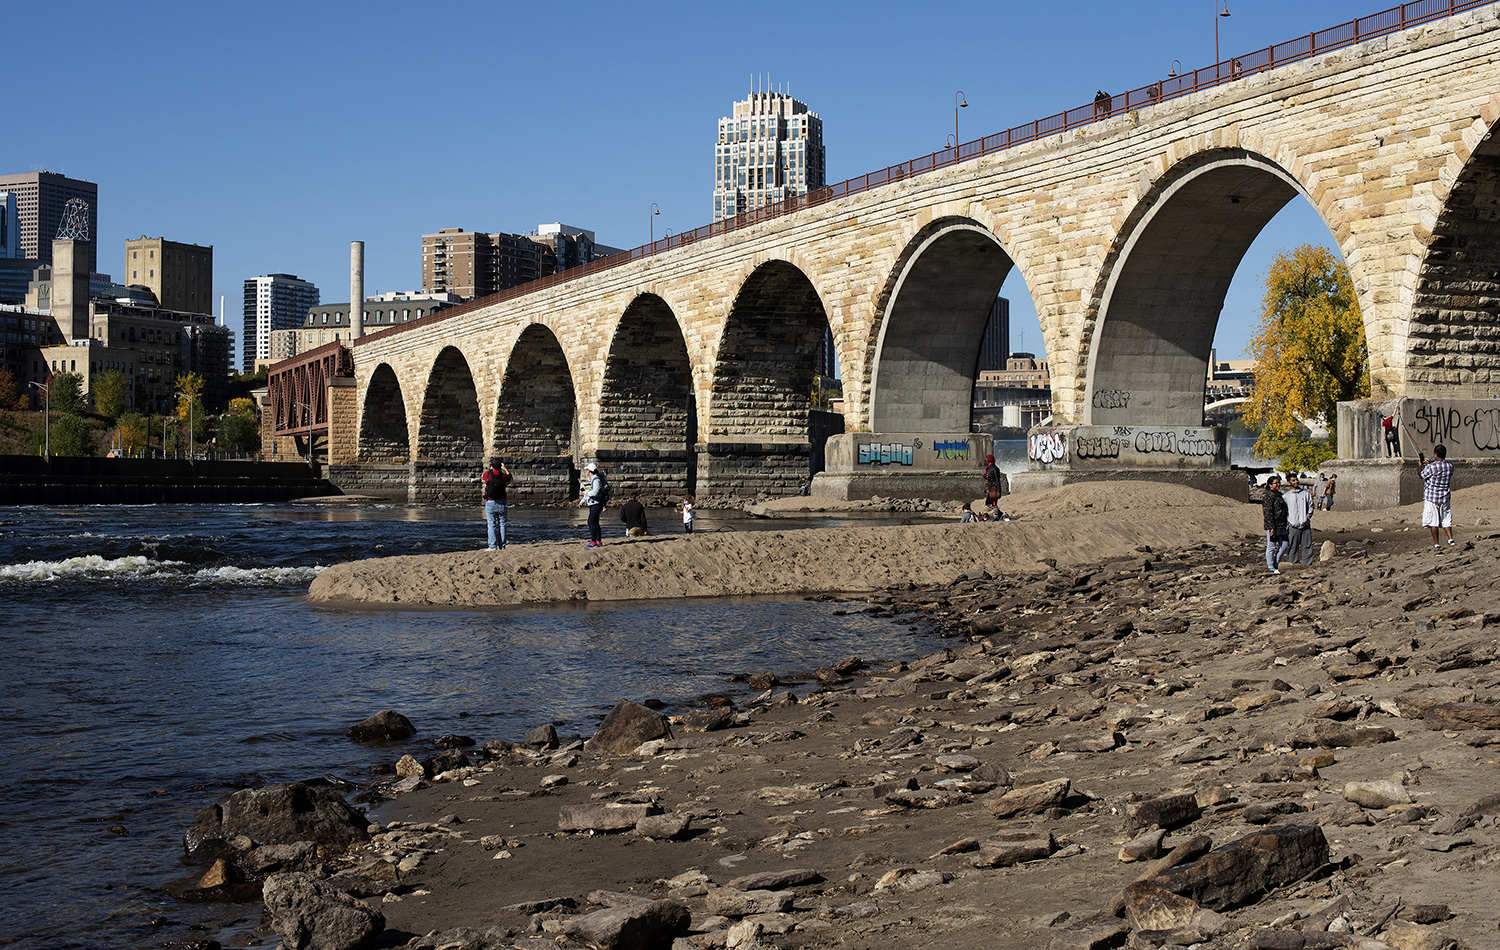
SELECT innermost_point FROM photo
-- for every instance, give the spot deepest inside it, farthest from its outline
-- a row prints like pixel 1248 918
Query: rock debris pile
pixel 1171 749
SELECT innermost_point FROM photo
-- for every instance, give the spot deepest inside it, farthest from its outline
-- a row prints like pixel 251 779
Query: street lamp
pixel 1221 13
pixel 46 391
pixel 1172 73
pixel 964 104
pixel 164 423
pixel 651 219
pixel 951 141
pixel 190 423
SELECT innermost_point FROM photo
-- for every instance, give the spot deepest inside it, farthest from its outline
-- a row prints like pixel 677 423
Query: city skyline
pixel 268 204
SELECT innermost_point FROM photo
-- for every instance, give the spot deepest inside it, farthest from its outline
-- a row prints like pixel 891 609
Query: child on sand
pixel 687 513
pixel 966 514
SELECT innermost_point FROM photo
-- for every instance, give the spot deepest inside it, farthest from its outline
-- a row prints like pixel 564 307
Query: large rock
pixel 1031 799
pixel 602 817
pixel 627 726
pixel 278 814
pixel 647 925
pixel 385 726
pixel 1014 847
pixel 310 915
pixel 1242 870
pixel 1378 795
pixel 1149 906
pixel 1166 811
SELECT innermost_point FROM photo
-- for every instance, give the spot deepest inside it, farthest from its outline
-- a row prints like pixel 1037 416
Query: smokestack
pixel 356 289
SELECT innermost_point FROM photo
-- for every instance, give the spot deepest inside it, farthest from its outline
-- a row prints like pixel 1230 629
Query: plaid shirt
pixel 1437 477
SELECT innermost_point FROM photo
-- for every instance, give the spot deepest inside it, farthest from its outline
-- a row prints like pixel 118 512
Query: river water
pixel 158 658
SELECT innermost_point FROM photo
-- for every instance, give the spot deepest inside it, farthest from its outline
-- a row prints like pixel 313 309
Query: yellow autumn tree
pixel 1310 354
pixel 190 404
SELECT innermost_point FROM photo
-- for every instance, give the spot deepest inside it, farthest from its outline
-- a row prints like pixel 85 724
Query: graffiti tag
pixel 951 450
pixel 1112 399
pixel 885 453
pixel 1481 428
pixel 1096 447
pixel 1046 447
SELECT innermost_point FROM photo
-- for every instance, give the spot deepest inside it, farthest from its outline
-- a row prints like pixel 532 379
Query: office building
pixel 565 247
pixel 180 275
pixel 329 322
pixel 474 264
pixel 272 302
pixel 770 149
pixel 41 202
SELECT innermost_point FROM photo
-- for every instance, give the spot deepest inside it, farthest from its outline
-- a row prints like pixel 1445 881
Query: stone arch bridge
pixel 689 363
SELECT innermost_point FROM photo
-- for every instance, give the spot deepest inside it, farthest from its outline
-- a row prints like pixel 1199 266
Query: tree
pixel 67 393
pixel 241 433
pixel 111 393
pixel 135 434
pixel 9 394
pixel 1310 354
pixel 72 436
pixel 190 404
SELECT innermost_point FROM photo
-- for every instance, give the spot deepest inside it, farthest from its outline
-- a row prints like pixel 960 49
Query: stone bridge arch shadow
pixel 760 409
pixel 1160 300
pixel 384 444
pixel 648 411
pixel 535 419
pixel 923 360
pixel 1453 349
pixel 450 439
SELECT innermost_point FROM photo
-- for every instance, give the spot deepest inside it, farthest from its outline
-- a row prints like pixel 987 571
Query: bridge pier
pixel 664 475
pixel 747 469
pixel 542 479
pixel 942 466
pixel 437 481
pixel 1195 456
pixel 1372 474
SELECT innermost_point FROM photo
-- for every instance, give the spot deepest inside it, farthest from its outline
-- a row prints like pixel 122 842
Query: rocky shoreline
pixel 1166 749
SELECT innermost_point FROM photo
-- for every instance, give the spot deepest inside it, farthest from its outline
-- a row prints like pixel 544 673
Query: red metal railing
pixel 1393 20
pixel 298 388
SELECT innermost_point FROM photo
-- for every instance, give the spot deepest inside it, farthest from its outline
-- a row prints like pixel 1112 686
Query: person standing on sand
pixel 1328 491
pixel 1274 516
pixel 1318 491
pixel 633 513
pixel 686 508
pixel 495 478
pixel 1437 494
pixel 593 499
pixel 993 479
pixel 1299 511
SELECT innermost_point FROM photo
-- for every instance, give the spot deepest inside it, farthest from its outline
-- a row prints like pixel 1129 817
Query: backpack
pixel 604 491
pixel 992 478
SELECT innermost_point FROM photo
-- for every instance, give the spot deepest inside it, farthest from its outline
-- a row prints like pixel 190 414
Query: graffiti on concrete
pixel 1478 428
pixel 1148 441
pixel 1096 447
pixel 1112 399
pixel 885 453
pixel 951 450
pixel 1046 447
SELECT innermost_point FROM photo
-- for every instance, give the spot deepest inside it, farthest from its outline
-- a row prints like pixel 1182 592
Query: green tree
pixel 10 394
pixel 239 433
pixel 111 393
pixel 73 436
pixel 1310 354
pixel 67 394
pixel 135 434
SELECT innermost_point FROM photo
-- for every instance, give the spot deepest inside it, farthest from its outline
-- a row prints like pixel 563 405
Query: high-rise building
pixel 180 275
pixel 994 352
pixel 272 302
pixel 476 264
pixel 41 208
pixel 768 151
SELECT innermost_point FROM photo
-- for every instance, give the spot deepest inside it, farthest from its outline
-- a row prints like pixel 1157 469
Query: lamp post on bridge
pixel 190 423
pixel 164 423
pixel 651 219
pixel 1220 14
pixel 46 391
pixel 960 102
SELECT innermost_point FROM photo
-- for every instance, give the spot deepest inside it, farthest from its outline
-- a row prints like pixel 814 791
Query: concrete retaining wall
pixel 33 480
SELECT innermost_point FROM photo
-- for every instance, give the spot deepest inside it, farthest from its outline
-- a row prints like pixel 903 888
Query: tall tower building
pixel 41 201
pixel 994 352
pixel 768 151
pixel 272 302
pixel 180 275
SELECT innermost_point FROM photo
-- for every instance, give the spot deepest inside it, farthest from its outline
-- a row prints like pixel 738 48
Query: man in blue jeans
pixel 1274 515
pixel 495 480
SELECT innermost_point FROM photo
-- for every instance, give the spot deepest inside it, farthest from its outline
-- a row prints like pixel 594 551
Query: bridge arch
pixel 1164 286
pixel 648 413
pixel 536 416
pixel 450 433
pixel 383 435
pixel 1453 344
pixel 761 394
pixel 923 357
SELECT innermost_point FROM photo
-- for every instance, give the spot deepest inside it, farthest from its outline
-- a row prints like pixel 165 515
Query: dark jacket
pixel 633 513
pixel 1274 511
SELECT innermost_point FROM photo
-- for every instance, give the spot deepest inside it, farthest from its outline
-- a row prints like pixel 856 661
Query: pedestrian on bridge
pixel 496 478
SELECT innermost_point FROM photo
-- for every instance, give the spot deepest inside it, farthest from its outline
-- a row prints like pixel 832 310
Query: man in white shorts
pixel 1437 494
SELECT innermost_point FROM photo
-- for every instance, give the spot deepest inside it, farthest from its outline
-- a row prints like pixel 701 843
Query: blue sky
pixel 279 132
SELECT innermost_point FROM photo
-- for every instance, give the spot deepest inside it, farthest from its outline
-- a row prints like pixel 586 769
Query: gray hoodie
pixel 1299 507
